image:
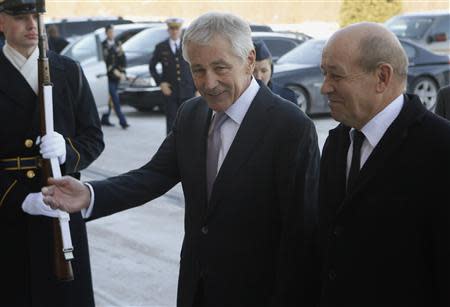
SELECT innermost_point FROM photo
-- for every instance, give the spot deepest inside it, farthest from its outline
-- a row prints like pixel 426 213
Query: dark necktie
pixel 358 139
pixel 176 48
pixel 214 144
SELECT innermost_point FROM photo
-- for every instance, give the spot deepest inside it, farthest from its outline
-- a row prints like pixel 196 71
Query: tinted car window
pixel 413 27
pixel 145 40
pixel 310 52
pixel 84 49
pixel 278 47
pixel 443 26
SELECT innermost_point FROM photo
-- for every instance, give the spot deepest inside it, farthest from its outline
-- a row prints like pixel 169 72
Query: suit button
pixel 28 143
pixel 205 230
pixel 338 231
pixel 332 274
pixel 31 174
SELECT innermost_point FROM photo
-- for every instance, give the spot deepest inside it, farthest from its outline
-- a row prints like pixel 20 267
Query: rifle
pixel 61 231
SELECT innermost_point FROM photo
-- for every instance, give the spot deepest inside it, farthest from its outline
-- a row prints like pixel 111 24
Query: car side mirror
pixel 439 37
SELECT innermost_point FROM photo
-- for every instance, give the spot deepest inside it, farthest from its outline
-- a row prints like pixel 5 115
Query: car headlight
pixel 144 82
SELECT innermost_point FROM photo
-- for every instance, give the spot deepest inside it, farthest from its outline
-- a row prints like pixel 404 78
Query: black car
pixel 141 91
pixel 300 71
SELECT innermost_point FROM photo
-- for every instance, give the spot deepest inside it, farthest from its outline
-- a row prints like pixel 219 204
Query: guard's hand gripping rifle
pixel 61 231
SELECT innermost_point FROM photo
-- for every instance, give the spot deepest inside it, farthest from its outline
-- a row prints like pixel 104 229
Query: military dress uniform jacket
pixel 248 243
pixel 443 102
pixel 387 242
pixel 283 92
pixel 26 260
pixel 115 60
pixel 175 70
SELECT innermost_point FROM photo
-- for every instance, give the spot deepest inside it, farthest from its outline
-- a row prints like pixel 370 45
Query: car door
pixel 87 51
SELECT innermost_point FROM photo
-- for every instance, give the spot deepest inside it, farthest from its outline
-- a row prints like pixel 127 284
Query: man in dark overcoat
pixel 26 258
pixel 248 162
pixel 175 79
pixel 443 102
pixel 385 170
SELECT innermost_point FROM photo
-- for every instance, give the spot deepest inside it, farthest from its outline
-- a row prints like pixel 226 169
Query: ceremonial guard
pixel 175 80
pixel 26 258
pixel 115 65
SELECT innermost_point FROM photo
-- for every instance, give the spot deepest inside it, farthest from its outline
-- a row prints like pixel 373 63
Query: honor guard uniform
pixel 175 80
pixel 264 61
pixel 26 259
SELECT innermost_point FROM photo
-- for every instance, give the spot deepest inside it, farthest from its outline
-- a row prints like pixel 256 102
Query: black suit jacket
pixel 175 70
pixel 26 260
pixel 387 243
pixel 248 244
pixel 443 102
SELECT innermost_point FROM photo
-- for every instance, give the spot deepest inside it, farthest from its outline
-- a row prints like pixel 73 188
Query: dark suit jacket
pixel 175 70
pixel 443 102
pixel 248 243
pixel 26 260
pixel 387 243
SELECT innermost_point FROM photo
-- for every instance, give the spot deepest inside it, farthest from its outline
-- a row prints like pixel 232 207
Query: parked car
pixel 71 28
pixel 430 30
pixel 88 51
pixel 142 92
pixel 300 71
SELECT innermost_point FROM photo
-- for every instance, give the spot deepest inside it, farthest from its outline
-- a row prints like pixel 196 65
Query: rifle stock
pixel 62 266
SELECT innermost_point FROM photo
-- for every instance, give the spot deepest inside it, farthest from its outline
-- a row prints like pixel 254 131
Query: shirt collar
pixel 240 107
pixel 14 56
pixel 175 42
pixel 377 126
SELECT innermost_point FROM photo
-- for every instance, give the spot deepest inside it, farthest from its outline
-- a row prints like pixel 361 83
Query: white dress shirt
pixel 374 131
pixel 236 113
pixel 28 68
pixel 174 44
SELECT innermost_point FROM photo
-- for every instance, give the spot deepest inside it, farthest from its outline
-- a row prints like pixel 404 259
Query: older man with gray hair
pixel 248 162
pixel 384 214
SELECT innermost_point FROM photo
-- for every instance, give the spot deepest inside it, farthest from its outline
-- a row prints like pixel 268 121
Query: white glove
pixel 52 146
pixel 34 205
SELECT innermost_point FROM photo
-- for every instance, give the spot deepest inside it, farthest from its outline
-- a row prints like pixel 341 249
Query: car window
pixel 413 27
pixel 443 26
pixel 85 48
pixel 278 47
pixel 310 52
pixel 145 41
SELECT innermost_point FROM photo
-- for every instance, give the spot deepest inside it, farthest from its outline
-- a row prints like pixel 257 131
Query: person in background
pixel 115 66
pixel 56 43
pixel 175 80
pixel 264 70
pixel 2 39
pixel 26 258
pixel 384 175
pixel 443 102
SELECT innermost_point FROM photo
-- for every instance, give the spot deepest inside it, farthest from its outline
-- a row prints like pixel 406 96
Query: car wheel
pixel 426 89
pixel 302 98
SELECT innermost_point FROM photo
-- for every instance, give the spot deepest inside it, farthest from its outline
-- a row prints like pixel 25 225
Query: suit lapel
pixel 250 132
pixel 412 111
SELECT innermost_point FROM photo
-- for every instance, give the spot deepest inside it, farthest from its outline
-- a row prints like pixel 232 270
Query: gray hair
pixel 231 27
pixel 376 49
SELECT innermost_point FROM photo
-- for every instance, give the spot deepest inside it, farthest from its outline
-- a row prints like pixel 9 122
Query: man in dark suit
pixel 384 209
pixel 443 102
pixel 264 70
pixel 248 163
pixel 26 260
pixel 56 42
pixel 175 79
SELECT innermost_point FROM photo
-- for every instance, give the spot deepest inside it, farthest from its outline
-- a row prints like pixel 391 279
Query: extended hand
pixel 165 88
pixel 53 145
pixel 67 194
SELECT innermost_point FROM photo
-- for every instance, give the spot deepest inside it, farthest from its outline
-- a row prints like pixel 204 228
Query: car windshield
pixel 145 41
pixel 310 52
pixel 413 27
pixel 83 49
